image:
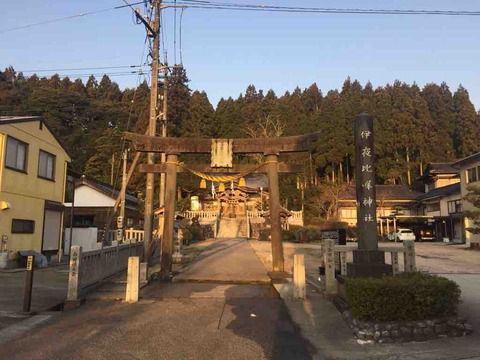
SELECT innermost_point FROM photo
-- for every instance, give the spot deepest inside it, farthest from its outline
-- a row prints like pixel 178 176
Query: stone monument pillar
pixel 367 260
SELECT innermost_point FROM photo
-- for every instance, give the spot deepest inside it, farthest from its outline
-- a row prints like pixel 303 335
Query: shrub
pixel 288 235
pixel 407 296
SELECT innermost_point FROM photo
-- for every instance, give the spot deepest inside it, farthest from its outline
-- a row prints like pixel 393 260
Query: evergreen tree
pixel 178 100
pixel 473 197
pixel 467 126
pixel 201 117
pixel 440 105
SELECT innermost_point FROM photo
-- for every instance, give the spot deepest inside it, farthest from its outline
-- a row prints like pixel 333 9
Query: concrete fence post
pixel 343 263
pixel 299 287
pixel 143 272
pixel 329 256
pixel 74 279
pixel 409 255
pixel 395 266
pixel 133 279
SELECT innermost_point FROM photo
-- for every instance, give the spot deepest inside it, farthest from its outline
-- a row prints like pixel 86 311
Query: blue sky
pixel 225 51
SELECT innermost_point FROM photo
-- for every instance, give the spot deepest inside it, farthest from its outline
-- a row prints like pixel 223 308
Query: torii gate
pixel 172 147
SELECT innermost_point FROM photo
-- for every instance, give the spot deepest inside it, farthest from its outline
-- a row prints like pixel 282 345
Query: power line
pixel 69 17
pixel 82 68
pixel 209 5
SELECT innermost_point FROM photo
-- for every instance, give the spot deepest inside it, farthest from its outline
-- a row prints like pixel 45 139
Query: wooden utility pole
pixel 154 30
pixel 161 200
pixel 123 192
pixel 112 170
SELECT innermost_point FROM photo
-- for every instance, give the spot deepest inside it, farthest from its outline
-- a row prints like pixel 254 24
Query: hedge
pixel 403 297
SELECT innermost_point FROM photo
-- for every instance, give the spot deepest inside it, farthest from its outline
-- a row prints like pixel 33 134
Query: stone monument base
pixel 368 263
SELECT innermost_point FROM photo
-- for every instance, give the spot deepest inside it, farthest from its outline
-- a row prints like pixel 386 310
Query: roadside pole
pixel 27 291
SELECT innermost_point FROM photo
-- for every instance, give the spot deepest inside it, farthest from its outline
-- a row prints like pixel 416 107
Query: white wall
pixel 85 196
pixel 85 237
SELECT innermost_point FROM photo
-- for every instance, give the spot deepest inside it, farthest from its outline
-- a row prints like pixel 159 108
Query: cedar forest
pixel 413 125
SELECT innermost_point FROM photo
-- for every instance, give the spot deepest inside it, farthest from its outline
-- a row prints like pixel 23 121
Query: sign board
pixel 29 263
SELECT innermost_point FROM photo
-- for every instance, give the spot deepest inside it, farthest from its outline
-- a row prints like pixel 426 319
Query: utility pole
pixel 112 170
pixel 123 195
pixel 154 31
pixel 161 200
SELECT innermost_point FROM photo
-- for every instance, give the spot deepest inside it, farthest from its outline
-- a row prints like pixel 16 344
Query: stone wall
pixel 405 331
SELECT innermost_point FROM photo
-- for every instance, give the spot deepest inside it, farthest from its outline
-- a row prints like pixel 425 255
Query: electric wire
pixel 175 33
pixel 69 17
pixel 321 10
pixel 180 39
pixel 81 68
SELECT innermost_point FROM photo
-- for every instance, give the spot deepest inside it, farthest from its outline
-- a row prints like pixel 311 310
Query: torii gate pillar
pixel 274 204
pixel 169 217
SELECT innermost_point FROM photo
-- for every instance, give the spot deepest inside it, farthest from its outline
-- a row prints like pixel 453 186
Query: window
pixel 16 157
pixel 433 207
pixel 472 175
pixel 46 165
pixel 23 226
pixel 129 222
pixel 83 220
pixel 454 206
pixel 349 213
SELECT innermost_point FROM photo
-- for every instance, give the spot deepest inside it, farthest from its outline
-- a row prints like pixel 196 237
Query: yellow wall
pixel 469 237
pixel 26 193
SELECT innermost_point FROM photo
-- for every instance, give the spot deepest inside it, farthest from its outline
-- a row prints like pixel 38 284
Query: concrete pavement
pixel 226 261
pixel 172 321
pixel 209 314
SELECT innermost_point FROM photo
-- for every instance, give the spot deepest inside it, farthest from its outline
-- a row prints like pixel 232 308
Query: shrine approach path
pixel 230 261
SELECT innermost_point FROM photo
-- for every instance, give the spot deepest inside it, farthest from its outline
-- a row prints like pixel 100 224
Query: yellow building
pixel 33 168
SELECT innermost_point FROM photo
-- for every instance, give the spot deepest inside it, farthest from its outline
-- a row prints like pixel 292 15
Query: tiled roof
pixel 441 191
pixel 467 160
pixel 441 168
pixel 28 118
pixel 17 119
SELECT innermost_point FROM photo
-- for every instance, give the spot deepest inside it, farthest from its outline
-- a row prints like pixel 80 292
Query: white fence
pixel 256 217
pixel 134 235
pixel 201 214
pixel 205 217
pixel 296 218
pixel 92 267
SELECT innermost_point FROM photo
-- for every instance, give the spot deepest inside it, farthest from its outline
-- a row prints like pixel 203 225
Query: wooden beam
pixel 169 145
pixel 238 168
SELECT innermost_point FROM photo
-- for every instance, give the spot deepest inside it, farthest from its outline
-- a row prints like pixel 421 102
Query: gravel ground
pixel 432 257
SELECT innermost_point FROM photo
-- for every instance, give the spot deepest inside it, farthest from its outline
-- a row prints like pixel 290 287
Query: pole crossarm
pixel 236 169
pixel 169 145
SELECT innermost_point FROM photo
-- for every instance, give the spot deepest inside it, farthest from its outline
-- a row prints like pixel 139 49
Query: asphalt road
pixel 232 313
pixel 174 321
